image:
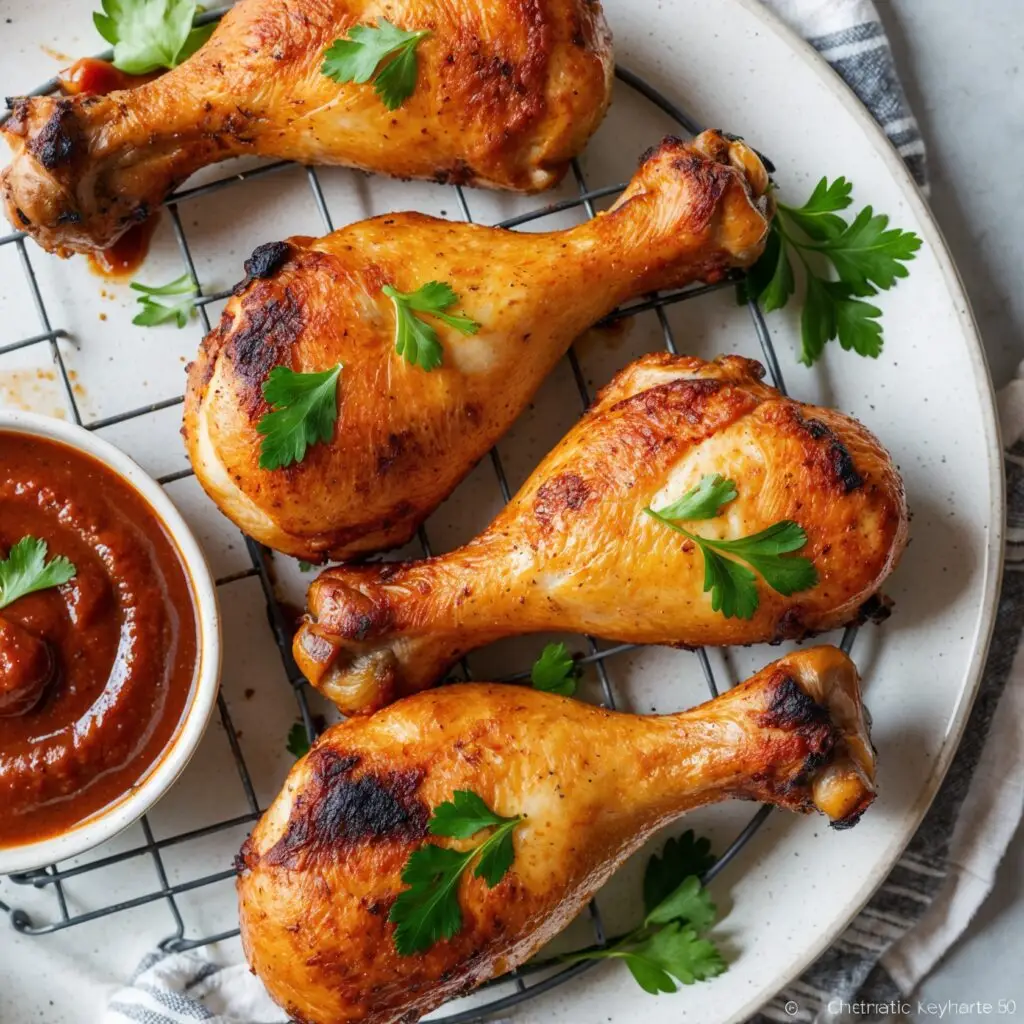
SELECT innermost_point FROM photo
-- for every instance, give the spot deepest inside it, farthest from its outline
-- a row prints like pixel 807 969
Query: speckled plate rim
pixel 993 570
pixel 162 774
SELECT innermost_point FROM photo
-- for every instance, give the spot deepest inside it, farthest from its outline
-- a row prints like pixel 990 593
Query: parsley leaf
pixel 298 740
pixel 866 255
pixel 667 947
pixel 428 911
pixel 384 54
pixel 154 312
pixel 733 586
pixel 817 321
pixel 150 34
pixel 857 325
pixel 25 570
pixel 681 856
pixel 704 501
pixel 764 551
pixel 463 816
pixel 415 339
pixel 674 951
pixel 497 854
pixel 689 901
pixel 555 671
pixel 304 410
pixel 818 216
pixel 305 566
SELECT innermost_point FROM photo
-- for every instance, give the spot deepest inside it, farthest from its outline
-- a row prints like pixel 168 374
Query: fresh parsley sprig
pixel 866 255
pixel 705 501
pixel 155 312
pixel 415 339
pixel 297 742
pixel 555 671
pixel 681 856
pixel 733 586
pixel 428 911
pixel 670 945
pixel 150 34
pixel 385 55
pixel 304 409
pixel 25 570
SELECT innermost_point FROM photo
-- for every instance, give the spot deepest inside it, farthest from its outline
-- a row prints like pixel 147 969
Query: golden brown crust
pixel 322 869
pixel 508 92
pixel 574 550
pixel 405 438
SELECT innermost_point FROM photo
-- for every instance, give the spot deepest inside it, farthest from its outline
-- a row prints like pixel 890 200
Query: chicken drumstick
pixel 405 437
pixel 575 551
pixel 322 869
pixel 506 94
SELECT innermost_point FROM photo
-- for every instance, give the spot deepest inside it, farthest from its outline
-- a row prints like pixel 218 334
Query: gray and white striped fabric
pixel 909 922
pixel 184 988
pixel 850 36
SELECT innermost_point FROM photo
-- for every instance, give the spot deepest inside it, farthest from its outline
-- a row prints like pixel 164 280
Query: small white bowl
pixel 161 775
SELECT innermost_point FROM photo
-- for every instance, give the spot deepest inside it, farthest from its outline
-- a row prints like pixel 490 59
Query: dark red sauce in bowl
pixel 123 638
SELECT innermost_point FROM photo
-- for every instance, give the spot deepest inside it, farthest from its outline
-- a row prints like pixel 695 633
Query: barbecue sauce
pixel 98 673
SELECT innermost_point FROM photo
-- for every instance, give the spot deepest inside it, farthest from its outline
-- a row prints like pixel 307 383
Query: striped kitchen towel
pixel 183 988
pixel 850 36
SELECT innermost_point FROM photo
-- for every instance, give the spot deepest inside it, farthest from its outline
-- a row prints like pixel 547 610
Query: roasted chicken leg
pixel 322 868
pixel 575 551
pixel 404 437
pixel 507 92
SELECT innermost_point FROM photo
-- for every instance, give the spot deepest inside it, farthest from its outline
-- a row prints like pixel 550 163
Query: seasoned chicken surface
pixel 575 551
pixel 405 437
pixel 507 92
pixel 322 869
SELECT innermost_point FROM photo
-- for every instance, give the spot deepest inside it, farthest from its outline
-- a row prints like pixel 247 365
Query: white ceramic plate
pixel 928 397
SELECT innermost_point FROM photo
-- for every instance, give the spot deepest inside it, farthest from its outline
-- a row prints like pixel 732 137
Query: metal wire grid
pixel 53 877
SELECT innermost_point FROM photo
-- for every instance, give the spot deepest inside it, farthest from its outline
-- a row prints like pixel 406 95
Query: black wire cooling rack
pixel 52 878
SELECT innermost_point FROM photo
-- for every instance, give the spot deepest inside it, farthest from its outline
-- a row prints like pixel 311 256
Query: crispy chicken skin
pixel 508 92
pixel 322 869
pixel 574 550
pixel 404 438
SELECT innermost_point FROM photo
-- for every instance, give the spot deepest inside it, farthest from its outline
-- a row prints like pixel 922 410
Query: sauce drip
pixel 127 254
pixel 92 77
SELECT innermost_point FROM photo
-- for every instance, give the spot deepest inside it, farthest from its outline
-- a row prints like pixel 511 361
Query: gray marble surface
pixel 961 64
